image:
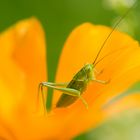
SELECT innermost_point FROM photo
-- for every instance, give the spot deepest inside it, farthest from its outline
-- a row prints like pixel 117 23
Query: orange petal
pixel 121 66
pixel 82 47
pixel 128 102
pixel 30 56
pixel 23 62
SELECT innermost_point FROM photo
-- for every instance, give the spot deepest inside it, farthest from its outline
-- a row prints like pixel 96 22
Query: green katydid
pixel 73 90
pixel 76 87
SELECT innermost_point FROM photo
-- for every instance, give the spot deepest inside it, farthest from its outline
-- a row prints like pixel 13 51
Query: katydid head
pixel 88 70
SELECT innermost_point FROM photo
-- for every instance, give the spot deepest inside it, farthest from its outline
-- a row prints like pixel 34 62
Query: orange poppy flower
pixel 23 67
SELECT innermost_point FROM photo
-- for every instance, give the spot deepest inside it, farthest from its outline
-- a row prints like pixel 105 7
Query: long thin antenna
pixel 108 54
pixel 117 23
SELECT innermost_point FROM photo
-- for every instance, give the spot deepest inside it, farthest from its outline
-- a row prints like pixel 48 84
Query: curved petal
pixel 23 66
pixel 121 66
pixel 30 55
pixel 83 45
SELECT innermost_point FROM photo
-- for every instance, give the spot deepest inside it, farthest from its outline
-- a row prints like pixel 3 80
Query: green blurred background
pixel 59 17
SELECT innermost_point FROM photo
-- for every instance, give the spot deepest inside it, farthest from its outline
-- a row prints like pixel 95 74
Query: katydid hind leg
pixel 68 91
pixel 40 88
pixel 55 84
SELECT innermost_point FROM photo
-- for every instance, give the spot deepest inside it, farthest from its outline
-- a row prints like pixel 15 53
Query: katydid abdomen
pixel 79 82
